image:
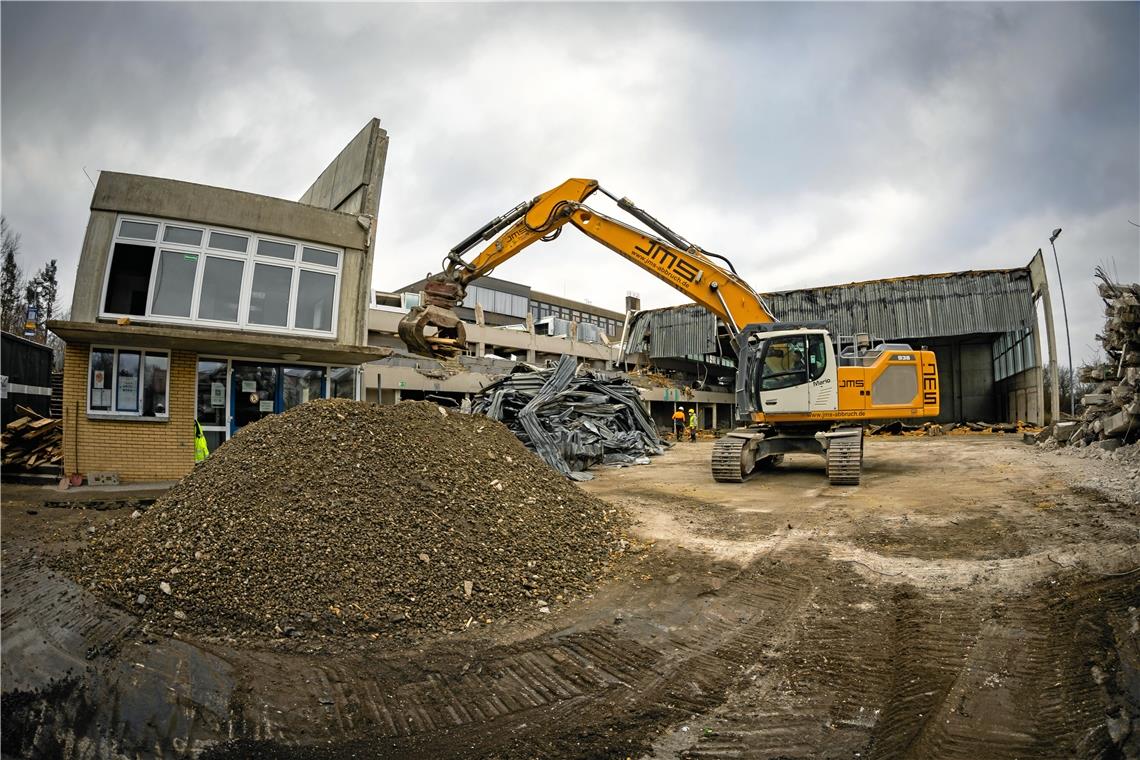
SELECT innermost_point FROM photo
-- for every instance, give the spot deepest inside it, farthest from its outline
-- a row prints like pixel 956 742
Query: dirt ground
pixel 972 598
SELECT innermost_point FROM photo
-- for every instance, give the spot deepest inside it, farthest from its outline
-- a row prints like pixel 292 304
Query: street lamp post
pixel 1068 337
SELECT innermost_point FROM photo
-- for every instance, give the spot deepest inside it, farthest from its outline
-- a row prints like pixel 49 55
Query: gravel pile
pixel 340 517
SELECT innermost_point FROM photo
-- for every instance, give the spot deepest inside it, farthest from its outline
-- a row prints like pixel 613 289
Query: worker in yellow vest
pixel 201 450
pixel 678 423
pixel 692 425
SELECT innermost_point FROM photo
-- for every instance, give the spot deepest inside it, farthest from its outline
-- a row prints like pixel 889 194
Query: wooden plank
pixel 15 425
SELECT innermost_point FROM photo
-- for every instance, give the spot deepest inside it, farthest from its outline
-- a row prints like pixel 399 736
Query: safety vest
pixel 201 450
pixel 693 420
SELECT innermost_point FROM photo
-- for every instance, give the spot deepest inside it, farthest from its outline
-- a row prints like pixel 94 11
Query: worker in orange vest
pixel 678 423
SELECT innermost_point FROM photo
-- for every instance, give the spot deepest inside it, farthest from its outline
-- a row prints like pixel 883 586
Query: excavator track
pixel 728 460
pixel 845 460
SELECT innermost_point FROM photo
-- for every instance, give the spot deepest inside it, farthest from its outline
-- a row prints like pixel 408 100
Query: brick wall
pixel 137 450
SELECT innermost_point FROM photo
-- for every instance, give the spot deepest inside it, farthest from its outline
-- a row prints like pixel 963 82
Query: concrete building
pixel 203 303
pixel 500 333
pixel 509 303
pixel 982 326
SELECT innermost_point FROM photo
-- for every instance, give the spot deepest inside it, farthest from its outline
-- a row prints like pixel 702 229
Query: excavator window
pixel 783 364
pixel 817 356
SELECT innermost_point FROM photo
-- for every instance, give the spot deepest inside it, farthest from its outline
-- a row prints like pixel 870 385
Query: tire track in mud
pixel 910 675
pixel 535 698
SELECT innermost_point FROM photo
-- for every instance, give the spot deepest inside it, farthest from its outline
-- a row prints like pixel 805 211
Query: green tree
pixel 11 280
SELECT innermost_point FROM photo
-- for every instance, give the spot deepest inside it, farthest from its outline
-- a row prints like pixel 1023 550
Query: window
pixel 186 274
pixel 276 250
pixel 817 356
pixel 128 382
pixel 174 283
pixel 269 297
pixel 317 256
pixel 129 279
pixel 783 364
pixel 221 289
pixel 342 382
pixel 315 292
pixel 300 384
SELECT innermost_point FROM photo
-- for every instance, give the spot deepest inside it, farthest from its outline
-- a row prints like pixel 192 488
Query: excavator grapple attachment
pixel 448 336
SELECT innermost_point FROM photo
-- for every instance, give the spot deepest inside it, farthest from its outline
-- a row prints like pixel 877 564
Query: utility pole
pixel 1068 337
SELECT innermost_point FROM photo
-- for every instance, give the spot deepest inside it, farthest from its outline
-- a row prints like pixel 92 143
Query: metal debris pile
pixel 573 418
pixel 343 518
pixel 1111 415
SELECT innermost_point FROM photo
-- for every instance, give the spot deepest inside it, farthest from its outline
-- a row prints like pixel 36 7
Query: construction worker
pixel 678 423
pixel 692 425
pixel 201 449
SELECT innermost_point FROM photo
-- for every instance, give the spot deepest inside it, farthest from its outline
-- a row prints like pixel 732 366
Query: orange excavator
pixel 798 388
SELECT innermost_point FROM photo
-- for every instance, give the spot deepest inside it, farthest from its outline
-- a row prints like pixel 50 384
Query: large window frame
pixel 114 412
pixel 249 259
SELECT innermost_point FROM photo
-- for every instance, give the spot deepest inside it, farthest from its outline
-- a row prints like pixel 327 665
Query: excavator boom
pixel 670 257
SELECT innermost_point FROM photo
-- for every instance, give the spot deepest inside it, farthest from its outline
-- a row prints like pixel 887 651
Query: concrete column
pixel 1051 336
pixel 530 356
pixel 480 349
pixel 396 394
pixel 714 415
pixel 1036 415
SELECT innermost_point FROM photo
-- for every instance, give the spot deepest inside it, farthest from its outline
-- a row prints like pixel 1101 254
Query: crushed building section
pixel 573 419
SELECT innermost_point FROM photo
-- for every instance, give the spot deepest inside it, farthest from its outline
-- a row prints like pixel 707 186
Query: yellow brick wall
pixel 137 451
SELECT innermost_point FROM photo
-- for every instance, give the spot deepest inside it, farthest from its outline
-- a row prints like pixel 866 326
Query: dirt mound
pixel 341 517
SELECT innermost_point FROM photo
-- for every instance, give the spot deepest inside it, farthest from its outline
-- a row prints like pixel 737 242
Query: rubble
pixel 317 521
pixel 1112 409
pixel 572 417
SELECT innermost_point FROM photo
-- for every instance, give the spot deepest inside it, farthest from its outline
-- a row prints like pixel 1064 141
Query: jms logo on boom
pixel 670 262
pixel 929 385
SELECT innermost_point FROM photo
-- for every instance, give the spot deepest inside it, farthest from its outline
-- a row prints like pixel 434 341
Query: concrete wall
pixel 138 450
pixel 201 204
pixel 1020 397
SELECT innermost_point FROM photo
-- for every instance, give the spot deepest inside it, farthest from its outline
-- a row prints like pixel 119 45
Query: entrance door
pixel 784 378
pixel 254 393
pixel 212 408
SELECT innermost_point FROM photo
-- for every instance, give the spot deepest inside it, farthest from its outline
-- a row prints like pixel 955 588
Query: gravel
pixel 343 518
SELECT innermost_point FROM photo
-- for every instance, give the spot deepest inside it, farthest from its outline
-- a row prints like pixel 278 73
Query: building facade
pixel 203 304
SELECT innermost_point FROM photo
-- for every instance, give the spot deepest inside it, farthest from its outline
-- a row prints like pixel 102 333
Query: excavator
pixel 798 388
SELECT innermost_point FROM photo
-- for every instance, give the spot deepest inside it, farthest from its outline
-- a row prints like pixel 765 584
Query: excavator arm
pixel 669 257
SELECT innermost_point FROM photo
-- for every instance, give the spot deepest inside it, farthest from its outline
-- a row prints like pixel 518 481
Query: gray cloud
pixel 813 143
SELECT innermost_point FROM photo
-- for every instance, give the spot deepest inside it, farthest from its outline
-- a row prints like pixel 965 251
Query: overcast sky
pixel 812 143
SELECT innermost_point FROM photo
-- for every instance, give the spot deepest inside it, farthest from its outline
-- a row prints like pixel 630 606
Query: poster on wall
pixel 217 394
pixel 266 406
pixel 128 398
pixel 99 375
pixel 248 386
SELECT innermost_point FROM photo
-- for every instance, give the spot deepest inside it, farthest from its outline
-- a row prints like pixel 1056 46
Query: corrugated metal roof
pixel 925 306
pixel 676 331
pixel 959 303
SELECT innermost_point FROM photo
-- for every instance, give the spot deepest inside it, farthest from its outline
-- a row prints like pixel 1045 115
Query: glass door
pixel 212 407
pixel 253 389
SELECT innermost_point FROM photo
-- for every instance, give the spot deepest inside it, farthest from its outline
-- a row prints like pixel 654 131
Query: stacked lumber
pixel 30 441
pixel 572 417
pixel 1112 409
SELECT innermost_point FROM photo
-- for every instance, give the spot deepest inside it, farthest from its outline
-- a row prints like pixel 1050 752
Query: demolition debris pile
pixel 1112 410
pixel 573 419
pixel 399 521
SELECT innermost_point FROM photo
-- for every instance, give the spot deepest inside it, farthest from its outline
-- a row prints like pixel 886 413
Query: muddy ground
pixel 971 599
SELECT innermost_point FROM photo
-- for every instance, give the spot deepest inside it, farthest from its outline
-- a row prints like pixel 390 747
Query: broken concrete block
pixel 1109 444
pixel 1118 424
pixel 1063 431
